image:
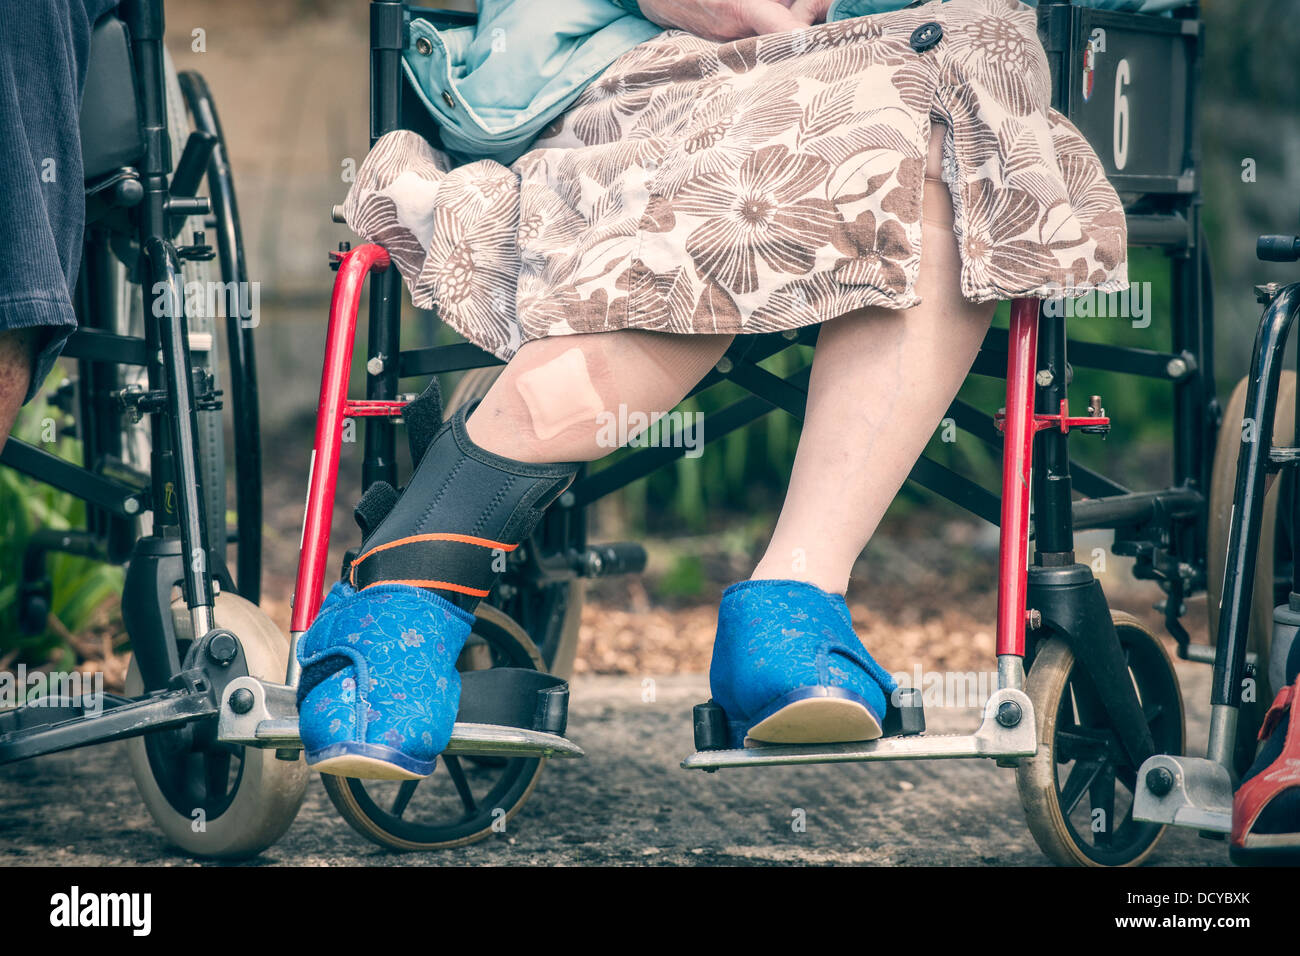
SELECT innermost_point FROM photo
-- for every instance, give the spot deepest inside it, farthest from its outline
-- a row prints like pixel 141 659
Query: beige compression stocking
pixel 574 397
pixel 881 382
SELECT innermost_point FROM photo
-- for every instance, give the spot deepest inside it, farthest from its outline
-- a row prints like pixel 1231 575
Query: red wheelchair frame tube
pixel 333 408
pixel 1017 459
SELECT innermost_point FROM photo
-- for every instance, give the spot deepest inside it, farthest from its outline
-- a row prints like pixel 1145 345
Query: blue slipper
pixel 788 668
pixel 379 690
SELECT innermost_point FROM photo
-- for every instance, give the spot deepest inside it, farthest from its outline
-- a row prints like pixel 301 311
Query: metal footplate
pixel 1184 792
pixel 1006 731
pixel 504 712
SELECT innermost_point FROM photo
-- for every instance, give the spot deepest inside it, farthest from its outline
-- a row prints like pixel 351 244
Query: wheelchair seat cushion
pixel 758 185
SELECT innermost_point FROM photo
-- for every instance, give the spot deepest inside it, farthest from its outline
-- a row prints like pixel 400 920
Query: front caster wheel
pixel 1078 789
pixel 210 798
pixel 466 798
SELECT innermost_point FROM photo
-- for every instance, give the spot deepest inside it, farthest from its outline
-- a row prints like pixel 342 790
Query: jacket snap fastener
pixel 926 36
pixel 423 46
pixel 447 98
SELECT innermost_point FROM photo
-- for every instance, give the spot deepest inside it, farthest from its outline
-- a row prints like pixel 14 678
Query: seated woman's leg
pixel 550 401
pixel 787 663
pixel 379 689
pixel 881 382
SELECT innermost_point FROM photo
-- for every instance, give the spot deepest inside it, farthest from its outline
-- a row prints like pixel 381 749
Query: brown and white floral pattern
pixel 756 186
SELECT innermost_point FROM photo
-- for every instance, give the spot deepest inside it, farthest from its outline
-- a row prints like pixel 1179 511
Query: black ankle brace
pixel 464 510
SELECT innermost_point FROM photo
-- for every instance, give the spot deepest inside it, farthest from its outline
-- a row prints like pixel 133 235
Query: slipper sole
pixel 364 768
pixel 817 720
pixel 368 762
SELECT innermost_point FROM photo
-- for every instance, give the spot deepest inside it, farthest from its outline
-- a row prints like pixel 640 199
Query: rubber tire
pixel 1036 776
pixel 346 803
pixel 1223 479
pixel 270 790
pixel 473 385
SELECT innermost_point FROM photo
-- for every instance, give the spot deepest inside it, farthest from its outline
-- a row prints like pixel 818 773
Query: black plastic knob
pixel 222 647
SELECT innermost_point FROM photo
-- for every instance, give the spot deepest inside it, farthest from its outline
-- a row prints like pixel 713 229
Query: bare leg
pixel 553 400
pixel 881 381
pixel 15 375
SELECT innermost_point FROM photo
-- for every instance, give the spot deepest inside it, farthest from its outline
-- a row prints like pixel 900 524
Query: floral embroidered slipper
pixel 788 667
pixel 379 690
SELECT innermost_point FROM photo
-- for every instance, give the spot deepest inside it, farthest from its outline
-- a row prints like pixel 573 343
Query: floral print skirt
pixel 756 186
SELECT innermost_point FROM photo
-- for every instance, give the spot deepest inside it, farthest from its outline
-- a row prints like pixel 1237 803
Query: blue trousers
pixel 43 53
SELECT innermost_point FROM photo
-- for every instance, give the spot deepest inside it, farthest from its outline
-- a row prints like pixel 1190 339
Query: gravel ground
pixel 626 803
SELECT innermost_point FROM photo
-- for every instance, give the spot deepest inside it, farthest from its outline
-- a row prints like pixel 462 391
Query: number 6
pixel 1120 131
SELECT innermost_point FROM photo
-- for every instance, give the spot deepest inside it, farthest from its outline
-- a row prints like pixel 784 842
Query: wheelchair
pixel 148 416
pixel 1088 704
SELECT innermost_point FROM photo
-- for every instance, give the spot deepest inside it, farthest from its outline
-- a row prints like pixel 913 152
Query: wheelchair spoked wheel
pixel 1078 789
pixel 210 798
pixel 465 799
pixel 1273 560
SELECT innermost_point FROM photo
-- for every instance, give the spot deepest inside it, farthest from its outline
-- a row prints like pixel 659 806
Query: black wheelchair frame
pixel 136 209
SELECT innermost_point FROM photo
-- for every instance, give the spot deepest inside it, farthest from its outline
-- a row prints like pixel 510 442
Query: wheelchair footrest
pixel 1184 792
pixel 993 739
pixel 504 711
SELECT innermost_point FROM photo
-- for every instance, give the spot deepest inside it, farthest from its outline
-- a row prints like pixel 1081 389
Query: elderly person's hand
pixel 725 20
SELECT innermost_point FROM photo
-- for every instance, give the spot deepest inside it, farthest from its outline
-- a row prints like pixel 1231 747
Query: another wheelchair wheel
pixel 126 317
pixel 213 799
pixel 1078 788
pixel 1272 560
pixel 465 799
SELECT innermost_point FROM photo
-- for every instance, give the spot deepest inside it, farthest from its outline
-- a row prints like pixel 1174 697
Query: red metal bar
pixel 314 547
pixel 1063 421
pixel 1017 457
pixel 372 408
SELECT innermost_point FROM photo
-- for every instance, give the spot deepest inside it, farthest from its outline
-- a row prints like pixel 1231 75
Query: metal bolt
pixel 1160 781
pixel 1009 713
pixel 1035 620
pixel 222 648
pixel 1267 292
pixel 375 366
pixel 241 701
pixel 1044 378
pixel 1176 368
pixel 131 505
pixel 724 365
pixel 1094 406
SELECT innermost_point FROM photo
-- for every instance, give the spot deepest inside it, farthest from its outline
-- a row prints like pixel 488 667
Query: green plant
pixel 80 586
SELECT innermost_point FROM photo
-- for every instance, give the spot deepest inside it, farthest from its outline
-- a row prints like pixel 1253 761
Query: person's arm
pixel 725 20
